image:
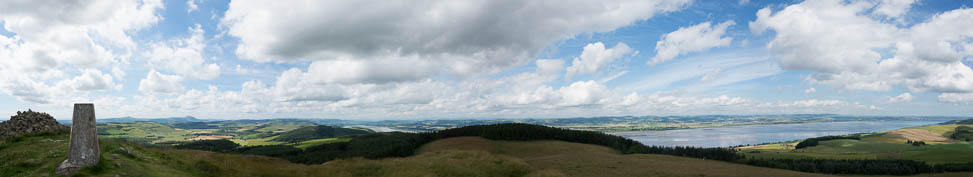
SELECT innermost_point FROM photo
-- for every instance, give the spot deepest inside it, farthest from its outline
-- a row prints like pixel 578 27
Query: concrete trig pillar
pixel 84 150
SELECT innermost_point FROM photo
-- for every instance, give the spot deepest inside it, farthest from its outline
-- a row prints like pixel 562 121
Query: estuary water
pixel 757 134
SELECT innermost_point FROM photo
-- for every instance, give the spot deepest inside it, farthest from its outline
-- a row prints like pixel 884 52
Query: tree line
pixel 810 142
pixel 963 133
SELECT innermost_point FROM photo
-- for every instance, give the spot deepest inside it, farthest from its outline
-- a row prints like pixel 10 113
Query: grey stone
pixel 27 122
pixel 84 150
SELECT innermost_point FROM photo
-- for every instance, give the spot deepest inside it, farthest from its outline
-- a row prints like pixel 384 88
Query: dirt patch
pixel 915 134
pixel 210 138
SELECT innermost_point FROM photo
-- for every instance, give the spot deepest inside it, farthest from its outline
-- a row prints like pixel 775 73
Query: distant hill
pixel 38 155
pixel 967 121
pixel 159 120
pixel 317 132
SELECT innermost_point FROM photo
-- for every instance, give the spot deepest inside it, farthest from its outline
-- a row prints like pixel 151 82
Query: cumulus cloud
pixel 696 38
pixel 156 82
pixel 27 90
pixel 596 58
pixel 92 79
pixel 460 37
pixel 185 56
pixel 810 90
pixel 65 32
pixel 904 97
pixel 841 43
pixel 48 37
pixel 582 93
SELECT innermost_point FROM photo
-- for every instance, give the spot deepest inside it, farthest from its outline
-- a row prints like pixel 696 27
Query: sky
pixel 445 59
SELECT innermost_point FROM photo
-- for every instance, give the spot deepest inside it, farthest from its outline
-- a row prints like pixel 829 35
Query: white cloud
pixel 810 90
pixel 904 97
pixel 57 32
pixel 825 36
pixel 814 103
pixel 596 58
pixel 26 90
pixel 185 56
pixel 156 82
pixel 841 43
pixel 243 71
pixel 549 66
pixel 582 93
pixel 191 6
pixel 118 73
pixel 893 8
pixel 696 38
pixel 91 80
pixel 459 37
pixel 53 38
pixel 349 71
pixel 710 76
pixel 956 97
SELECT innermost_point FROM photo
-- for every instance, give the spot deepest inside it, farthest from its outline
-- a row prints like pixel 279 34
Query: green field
pixel 874 146
pixel 944 130
pixel 309 143
pixel 151 132
pixel 246 132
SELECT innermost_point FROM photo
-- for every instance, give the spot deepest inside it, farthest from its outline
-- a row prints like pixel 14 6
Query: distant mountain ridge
pixel 965 122
pixel 158 120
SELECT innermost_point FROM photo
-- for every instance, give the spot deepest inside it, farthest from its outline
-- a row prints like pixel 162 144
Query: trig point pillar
pixel 84 150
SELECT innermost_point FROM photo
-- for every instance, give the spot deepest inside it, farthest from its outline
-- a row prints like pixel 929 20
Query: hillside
pixel 558 158
pixel 466 156
pixel 316 132
pixel 244 132
pixel 939 146
pixel 38 154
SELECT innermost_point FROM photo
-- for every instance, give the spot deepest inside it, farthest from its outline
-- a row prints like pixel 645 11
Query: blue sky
pixel 486 59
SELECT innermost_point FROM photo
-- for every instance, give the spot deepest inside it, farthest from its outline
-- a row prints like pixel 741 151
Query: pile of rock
pixel 29 122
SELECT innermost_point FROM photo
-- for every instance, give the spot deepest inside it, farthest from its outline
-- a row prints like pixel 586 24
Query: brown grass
pixel 916 134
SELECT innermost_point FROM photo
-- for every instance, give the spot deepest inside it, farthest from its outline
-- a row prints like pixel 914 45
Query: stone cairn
pixel 27 122
pixel 84 150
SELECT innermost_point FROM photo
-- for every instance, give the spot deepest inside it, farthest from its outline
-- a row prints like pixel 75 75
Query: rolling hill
pixel 317 132
pixel 489 150
pixel 37 155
